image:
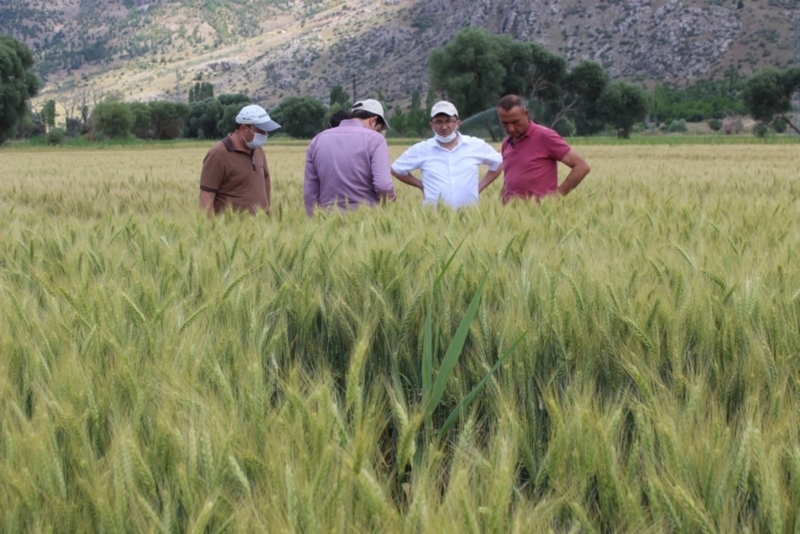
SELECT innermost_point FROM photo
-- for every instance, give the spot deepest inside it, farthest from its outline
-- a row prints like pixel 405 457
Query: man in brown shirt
pixel 235 173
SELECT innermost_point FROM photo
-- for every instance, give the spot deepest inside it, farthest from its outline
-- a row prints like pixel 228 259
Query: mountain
pixel 141 50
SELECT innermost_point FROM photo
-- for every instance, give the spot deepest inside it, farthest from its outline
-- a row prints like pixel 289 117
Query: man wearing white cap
pixel 348 166
pixel 449 162
pixel 235 173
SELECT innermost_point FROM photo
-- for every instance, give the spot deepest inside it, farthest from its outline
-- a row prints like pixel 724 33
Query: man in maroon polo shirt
pixel 531 154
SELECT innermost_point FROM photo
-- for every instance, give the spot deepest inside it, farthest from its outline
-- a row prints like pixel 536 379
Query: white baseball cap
pixel 444 107
pixel 372 106
pixel 258 117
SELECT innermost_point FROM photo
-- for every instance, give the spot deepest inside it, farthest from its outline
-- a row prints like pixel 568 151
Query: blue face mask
pixel 445 139
pixel 258 140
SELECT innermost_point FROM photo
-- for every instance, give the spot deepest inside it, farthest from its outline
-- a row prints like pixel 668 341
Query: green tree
pixel 227 123
pixel 230 99
pixel 768 95
pixel 112 119
pixel 399 122
pixel 231 103
pixel 476 68
pixel 201 91
pixel 418 117
pixel 167 119
pixel 17 84
pixel 678 126
pixel 702 100
pixel 546 73
pixel 301 116
pixel 55 136
pixel 203 119
pixel 49 113
pixel 338 96
pixel 141 120
pixel 469 70
pixel 623 104
pixel 582 88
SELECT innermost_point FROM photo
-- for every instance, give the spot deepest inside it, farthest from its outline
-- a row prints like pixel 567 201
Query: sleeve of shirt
pixel 310 182
pixel 489 156
pixel 557 148
pixel 407 162
pixel 212 173
pixel 381 174
pixel 266 166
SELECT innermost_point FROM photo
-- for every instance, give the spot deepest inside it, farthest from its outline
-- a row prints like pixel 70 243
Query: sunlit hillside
pixel 145 50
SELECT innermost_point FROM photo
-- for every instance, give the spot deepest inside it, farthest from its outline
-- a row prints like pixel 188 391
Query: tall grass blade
pixel 454 350
pixel 466 401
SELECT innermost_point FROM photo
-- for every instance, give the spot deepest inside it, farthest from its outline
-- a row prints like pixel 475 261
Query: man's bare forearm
pixel 579 171
pixel 408 179
pixel 207 202
pixel 575 177
pixel 488 178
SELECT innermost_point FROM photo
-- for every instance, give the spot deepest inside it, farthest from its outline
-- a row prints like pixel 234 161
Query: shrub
pixel 55 136
pixel 167 119
pixel 760 129
pixel 74 127
pixel 678 125
pixel 141 120
pixel 732 125
pixel 565 127
pixel 779 124
pixel 715 124
pixel 112 119
pixel 301 116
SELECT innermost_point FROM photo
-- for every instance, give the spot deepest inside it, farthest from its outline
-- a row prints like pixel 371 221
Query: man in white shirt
pixel 449 162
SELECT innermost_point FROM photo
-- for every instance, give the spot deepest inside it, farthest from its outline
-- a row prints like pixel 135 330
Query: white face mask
pixel 258 140
pixel 443 139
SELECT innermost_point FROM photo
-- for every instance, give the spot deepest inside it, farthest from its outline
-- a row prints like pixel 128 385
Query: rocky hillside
pixel 140 49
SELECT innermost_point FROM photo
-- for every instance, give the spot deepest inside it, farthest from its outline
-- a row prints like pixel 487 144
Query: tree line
pixel 473 71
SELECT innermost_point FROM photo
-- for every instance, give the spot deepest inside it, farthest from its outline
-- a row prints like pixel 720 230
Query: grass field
pixel 162 372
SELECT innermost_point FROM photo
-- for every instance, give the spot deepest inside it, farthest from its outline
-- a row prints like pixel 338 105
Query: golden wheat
pixel 163 372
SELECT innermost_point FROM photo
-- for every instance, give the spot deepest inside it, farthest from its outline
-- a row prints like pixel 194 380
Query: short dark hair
pixel 509 102
pixel 338 117
pixel 364 115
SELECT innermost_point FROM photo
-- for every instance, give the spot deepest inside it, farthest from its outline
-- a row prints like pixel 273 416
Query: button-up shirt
pixel 449 176
pixel 347 166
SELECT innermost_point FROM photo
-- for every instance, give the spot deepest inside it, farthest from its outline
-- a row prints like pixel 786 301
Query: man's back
pixel 347 166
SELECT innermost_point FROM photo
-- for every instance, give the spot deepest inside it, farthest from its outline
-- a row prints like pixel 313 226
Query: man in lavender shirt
pixel 348 166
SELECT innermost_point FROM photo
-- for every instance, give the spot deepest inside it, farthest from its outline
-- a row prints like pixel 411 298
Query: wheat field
pixel 637 344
